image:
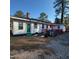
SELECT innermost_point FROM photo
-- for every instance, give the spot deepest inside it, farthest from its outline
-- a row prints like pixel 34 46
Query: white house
pixel 25 26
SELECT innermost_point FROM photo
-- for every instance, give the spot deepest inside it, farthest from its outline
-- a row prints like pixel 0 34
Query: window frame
pixel 35 25
pixel 20 25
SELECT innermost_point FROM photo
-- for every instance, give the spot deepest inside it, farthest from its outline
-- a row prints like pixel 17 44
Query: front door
pixel 28 28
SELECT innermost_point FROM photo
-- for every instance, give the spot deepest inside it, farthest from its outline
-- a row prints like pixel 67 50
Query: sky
pixel 34 7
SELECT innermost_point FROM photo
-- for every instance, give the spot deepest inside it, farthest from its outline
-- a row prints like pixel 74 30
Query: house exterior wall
pixel 48 26
pixel 16 30
pixel 55 27
pixel 32 28
pixel 35 30
pixel 61 27
pixel 44 26
pixel 40 28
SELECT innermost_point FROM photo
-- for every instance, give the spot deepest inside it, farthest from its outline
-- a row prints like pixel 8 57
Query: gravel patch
pixel 59 46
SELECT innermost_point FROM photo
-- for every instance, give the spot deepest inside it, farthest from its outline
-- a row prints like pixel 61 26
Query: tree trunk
pixel 62 12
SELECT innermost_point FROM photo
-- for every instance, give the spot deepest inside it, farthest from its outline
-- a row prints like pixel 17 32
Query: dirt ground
pixel 23 47
pixel 33 54
pixel 28 42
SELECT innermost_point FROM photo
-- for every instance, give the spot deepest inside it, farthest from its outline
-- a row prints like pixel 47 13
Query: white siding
pixel 32 28
pixel 63 28
pixel 55 27
pixel 44 26
pixel 48 26
pixel 40 28
pixel 24 30
pixel 16 30
pixel 37 29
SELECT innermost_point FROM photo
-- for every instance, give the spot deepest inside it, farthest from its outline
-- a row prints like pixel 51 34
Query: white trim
pixel 19 18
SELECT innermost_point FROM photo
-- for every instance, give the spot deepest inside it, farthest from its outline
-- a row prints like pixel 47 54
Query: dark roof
pixel 31 19
pixel 47 21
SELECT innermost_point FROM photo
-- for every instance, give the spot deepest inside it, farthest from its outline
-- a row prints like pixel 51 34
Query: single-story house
pixel 25 26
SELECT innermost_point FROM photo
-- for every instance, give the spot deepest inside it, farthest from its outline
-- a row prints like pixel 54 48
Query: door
pixel 28 28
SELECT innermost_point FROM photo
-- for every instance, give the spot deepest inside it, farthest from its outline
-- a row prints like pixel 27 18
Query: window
pixel 20 25
pixel 50 26
pixel 42 25
pixel 35 25
pixel 58 26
